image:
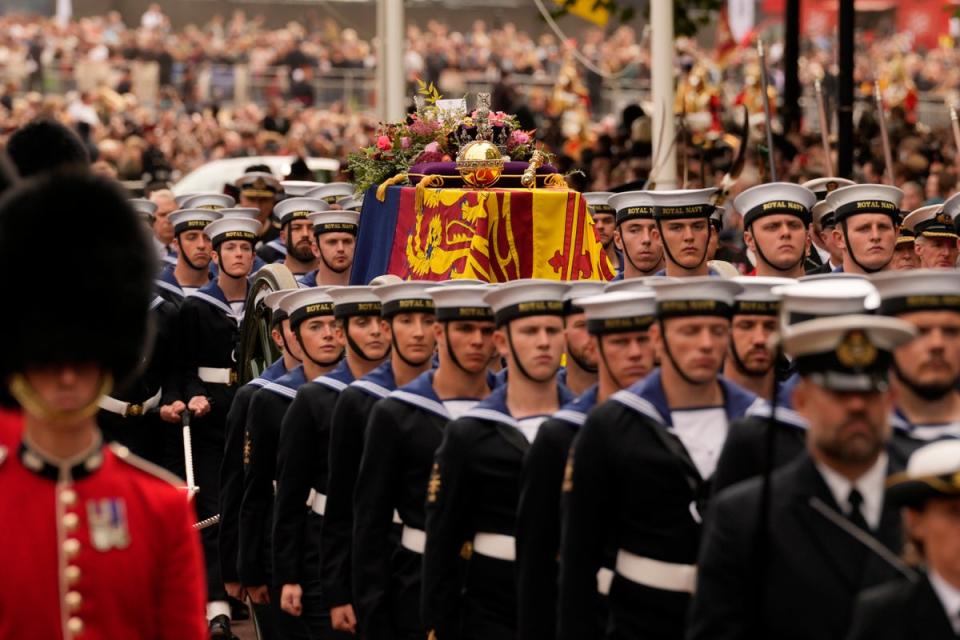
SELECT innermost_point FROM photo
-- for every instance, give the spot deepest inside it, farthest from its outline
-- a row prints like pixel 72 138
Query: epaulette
pixel 146 466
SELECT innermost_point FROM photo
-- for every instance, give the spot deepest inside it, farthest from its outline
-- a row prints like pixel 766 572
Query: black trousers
pixel 207 434
pixel 636 611
pixel 489 600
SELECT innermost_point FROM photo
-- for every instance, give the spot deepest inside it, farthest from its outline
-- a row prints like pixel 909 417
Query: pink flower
pixel 384 143
pixel 404 142
pixel 519 137
pixel 433 147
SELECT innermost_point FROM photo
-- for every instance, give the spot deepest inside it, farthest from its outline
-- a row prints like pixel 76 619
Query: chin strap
pixel 666 348
pixel 31 401
pixel 520 367
pixel 666 247
pixel 319 363
pixel 354 346
pixel 626 255
pixel 756 245
pixel 927 392
pixel 853 256
pixel 396 349
pixel 328 265
pixel 603 356
pixel 742 368
pixel 450 353
pixel 580 361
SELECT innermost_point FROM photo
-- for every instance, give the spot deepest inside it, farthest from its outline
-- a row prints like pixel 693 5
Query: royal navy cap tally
pixel 580 289
pixel 214 201
pixel 240 212
pixel 307 303
pixel 227 229
pixel 846 353
pixel 758 297
pixel 772 199
pixel 696 296
pixel 679 204
pixel 598 202
pixel 332 192
pixel 144 207
pixel 931 221
pixel 258 184
pixel 827 296
pixel 296 188
pixel 630 205
pixel 335 221
pixel 291 209
pixel 638 285
pixel 351 203
pixel 865 198
pixel 192 219
pixel 405 297
pixel 272 301
pixel 354 301
pixel 619 312
pixel 917 290
pixel 454 300
pixel 525 298
pixel 933 471
pixel 822 186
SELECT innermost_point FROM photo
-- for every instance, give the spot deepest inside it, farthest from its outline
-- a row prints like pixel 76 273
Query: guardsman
pixel 303 454
pixel 776 218
pixel 936 244
pixel 661 437
pixel 194 254
pixel 97 543
pixel 928 493
pixel 784 555
pixel 635 235
pixel 829 254
pixel 619 325
pixel 756 312
pixel 404 431
pixel 926 372
pixel 474 486
pixel 310 314
pixel 336 239
pixel 210 331
pixel 867 218
pixel 605 224
pixel 905 255
pixel 231 470
pixel 296 232
pixel 407 319
pixel 580 372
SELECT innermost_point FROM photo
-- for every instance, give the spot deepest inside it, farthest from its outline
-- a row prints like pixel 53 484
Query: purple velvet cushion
pixel 451 177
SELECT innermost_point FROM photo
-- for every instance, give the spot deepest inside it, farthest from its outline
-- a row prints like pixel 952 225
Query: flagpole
pixel 391 80
pixel 661 53
pixel 845 33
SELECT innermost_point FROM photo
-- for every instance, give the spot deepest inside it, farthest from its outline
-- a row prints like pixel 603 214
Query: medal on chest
pixel 107 518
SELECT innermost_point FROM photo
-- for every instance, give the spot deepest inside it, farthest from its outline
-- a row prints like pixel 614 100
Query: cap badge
pixel 832 186
pixel 944 218
pixel 259 183
pixel 856 351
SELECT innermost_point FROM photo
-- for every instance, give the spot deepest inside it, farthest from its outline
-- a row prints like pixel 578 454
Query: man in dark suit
pixel 784 556
pixel 927 606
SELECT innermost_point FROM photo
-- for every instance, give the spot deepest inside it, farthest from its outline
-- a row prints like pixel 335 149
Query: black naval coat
pixel 804 585
pixel 167 286
pixel 302 458
pixel 403 433
pixel 901 610
pixel 474 488
pixel 231 471
pixel 267 409
pixel 634 485
pixel 144 433
pixel 538 518
pixel 348 426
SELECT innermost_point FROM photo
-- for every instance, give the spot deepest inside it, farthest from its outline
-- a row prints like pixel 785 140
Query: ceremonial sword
pixel 766 110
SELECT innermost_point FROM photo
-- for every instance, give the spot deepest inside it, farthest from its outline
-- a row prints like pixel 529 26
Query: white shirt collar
pixel 870 485
pixel 949 596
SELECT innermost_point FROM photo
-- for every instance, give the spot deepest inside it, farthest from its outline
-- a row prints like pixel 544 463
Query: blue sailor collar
pixel 338 379
pixel 494 407
pixel 276 245
pixel 168 282
pixel 308 280
pixel 562 376
pixel 287 384
pixel 785 412
pixel 269 374
pixel 379 382
pixel 713 273
pixel 647 397
pixel 924 432
pixel 576 412
pixel 214 296
pixel 420 393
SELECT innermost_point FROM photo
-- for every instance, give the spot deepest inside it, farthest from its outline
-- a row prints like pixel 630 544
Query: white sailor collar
pixel 287 384
pixel 338 379
pixel 214 296
pixel 576 412
pixel 379 382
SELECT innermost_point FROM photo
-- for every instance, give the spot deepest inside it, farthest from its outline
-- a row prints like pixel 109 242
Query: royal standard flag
pixel 495 235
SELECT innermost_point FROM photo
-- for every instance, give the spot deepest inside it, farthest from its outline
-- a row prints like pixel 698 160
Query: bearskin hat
pixel 77 273
pixel 45 145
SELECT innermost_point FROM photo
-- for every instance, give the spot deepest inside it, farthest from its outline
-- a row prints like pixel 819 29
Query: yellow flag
pixel 585 9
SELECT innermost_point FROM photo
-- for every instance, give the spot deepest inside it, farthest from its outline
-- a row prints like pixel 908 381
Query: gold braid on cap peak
pixel 33 404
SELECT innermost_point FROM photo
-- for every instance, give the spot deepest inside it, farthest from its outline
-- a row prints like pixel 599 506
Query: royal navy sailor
pixel 335 233
pixel 580 372
pixel 683 229
pixel 867 218
pixel 296 232
pixel 635 235
pixel 829 254
pixel 776 218
pixel 194 254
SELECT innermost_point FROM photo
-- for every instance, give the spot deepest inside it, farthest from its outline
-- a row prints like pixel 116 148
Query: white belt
pixel 657 574
pixel 413 539
pixel 495 545
pixel 604 579
pixel 128 409
pixel 319 503
pixel 217 376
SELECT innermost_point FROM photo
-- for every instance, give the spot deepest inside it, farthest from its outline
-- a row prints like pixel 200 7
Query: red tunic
pixel 100 550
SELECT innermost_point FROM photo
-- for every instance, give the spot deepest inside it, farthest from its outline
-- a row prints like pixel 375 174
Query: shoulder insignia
pixel 433 487
pixel 124 454
pixel 568 474
pixel 466 551
pixel 247 448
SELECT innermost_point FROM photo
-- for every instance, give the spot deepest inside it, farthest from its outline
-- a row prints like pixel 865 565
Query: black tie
pixel 855 515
